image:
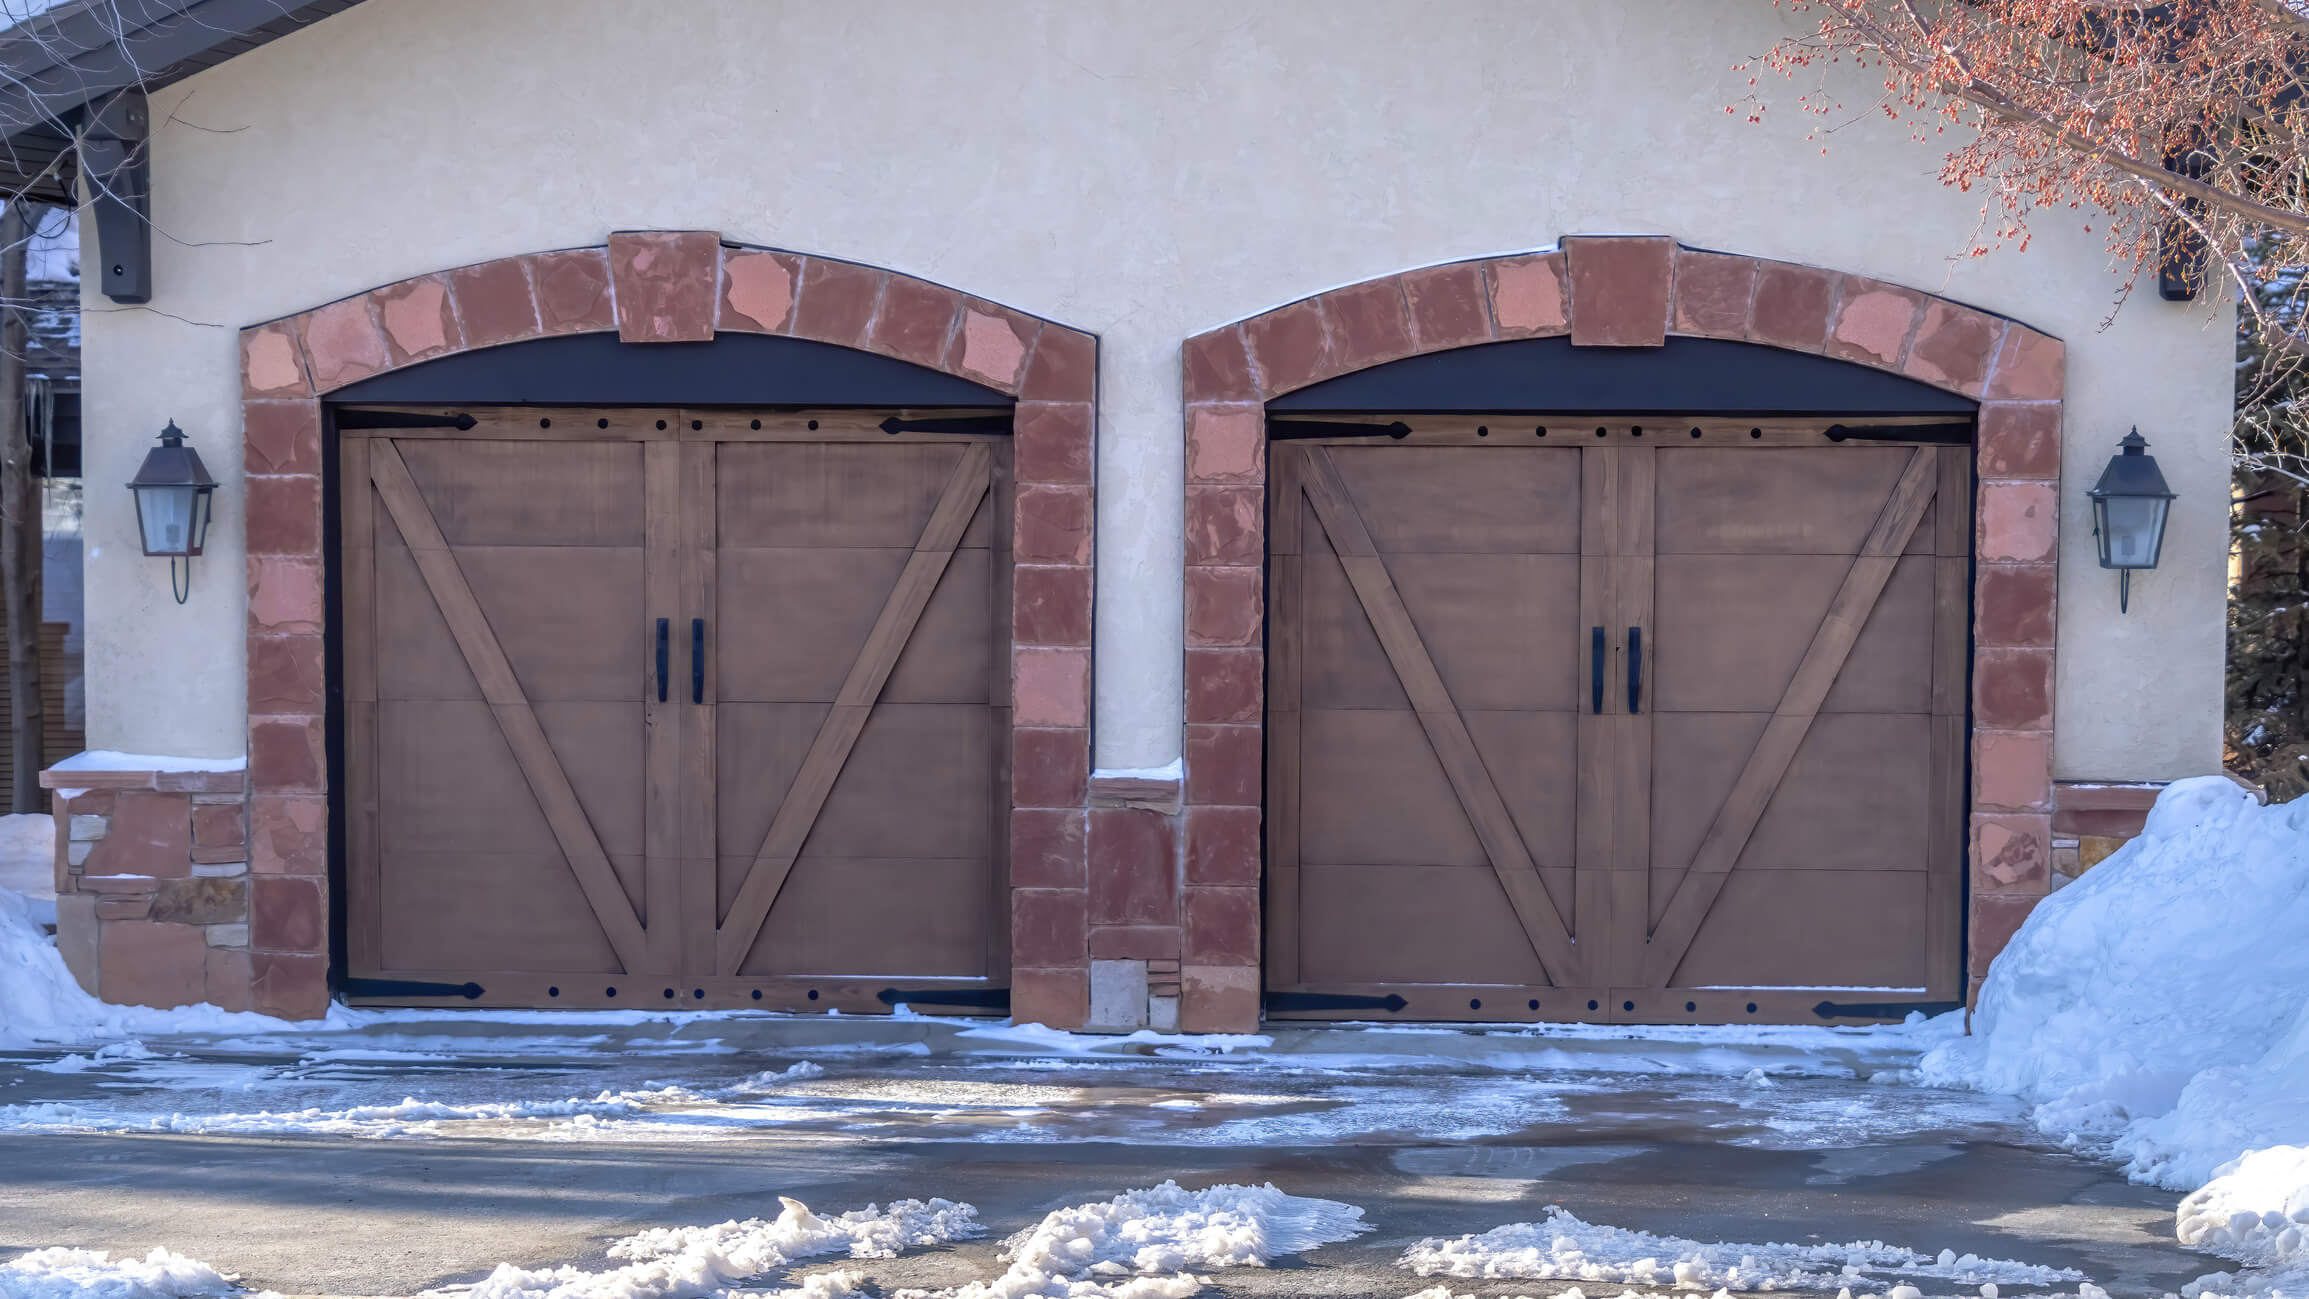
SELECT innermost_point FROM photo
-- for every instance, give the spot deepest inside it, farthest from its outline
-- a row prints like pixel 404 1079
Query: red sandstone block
pixel 150 834
pixel 1226 525
pixel 495 301
pixel 288 834
pixel 229 979
pixel 1133 867
pixel 1224 765
pixel 1994 921
pixel 2029 366
pixel 2020 441
pixel 273 362
pixel 1050 606
pixel 1064 366
pixel 1226 444
pixel 289 985
pixel 285 755
pixel 288 913
pixel 1222 845
pixel 285 676
pixel 1449 306
pixel 1047 927
pixel 1953 347
pixel 1527 295
pixel 2019 522
pixel 758 290
pixel 1052 998
pixel 991 344
pixel 417 318
pixel 2012 770
pixel 342 343
pixel 2012 689
pixel 1216 367
pixel 285 595
pixel 1052 525
pixel 1222 926
pixel 1223 605
pixel 1368 323
pixel 1225 685
pixel 1048 848
pixel 219 825
pixel 282 515
pixel 1874 321
pixel 1134 942
pixel 1290 348
pixel 144 963
pixel 1619 290
pixel 1050 687
pixel 1219 998
pixel 838 301
pixel 1052 441
pixel 1792 305
pixel 1712 292
pixel 281 437
pixel 667 283
pixel 573 291
pixel 1049 767
pixel 916 320
pixel 201 782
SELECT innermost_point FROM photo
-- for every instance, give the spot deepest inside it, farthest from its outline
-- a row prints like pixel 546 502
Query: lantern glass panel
pixel 174 519
pixel 2132 529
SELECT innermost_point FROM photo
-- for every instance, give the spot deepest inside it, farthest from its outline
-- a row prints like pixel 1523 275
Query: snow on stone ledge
pixel 115 760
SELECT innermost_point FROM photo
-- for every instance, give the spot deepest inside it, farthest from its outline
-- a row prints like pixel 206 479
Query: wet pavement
pixel 407 1156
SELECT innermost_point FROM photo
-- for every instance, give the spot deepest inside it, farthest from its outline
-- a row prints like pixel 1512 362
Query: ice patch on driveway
pixel 1565 1248
pixel 408 1116
pixel 95 1274
pixel 688 1261
pixel 1152 1244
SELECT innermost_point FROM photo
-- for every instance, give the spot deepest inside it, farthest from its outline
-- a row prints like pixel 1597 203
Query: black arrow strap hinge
pixel 403 419
pixel 1292 430
pixel 981 424
pixel 1947 435
pixel 409 988
pixel 1290 1001
pixel 979 998
pixel 1883 1009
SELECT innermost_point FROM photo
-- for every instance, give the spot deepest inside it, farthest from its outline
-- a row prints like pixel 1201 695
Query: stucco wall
pixel 1140 171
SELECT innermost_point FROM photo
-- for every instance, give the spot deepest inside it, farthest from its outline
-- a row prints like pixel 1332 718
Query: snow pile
pixel 2085 1290
pixel 2158 1008
pixel 95 1274
pixel 1148 1244
pixel 28 861
pixel 410 1114
pixel 690 1261
pixel 1565 1248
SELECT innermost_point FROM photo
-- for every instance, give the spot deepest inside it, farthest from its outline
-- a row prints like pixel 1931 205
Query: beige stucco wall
pixel 1144 171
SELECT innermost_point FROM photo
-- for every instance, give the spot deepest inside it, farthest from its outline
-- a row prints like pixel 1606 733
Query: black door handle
pixel 1596 652
pixel 1635 669
pixel 697 660
pixel 663 631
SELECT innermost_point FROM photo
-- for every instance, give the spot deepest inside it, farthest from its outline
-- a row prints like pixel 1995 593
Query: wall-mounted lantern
pixel 172 504
pixel 2129 507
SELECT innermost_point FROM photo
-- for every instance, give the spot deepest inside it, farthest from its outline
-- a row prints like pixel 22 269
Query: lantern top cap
pixel 172 436
pixel 2132 472
pixel 172 464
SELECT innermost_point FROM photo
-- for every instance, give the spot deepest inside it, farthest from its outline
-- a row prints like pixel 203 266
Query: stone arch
pixel 1621 292
pixel 648 287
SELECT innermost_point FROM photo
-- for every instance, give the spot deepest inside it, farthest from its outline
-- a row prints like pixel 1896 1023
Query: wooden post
pixel 20 530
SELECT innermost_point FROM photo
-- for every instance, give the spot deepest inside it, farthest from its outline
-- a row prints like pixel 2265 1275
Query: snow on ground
pixel 1565 1248
pixel 95 1274
pixel 2157 1011
pixel 1151 1244
pixel 28 861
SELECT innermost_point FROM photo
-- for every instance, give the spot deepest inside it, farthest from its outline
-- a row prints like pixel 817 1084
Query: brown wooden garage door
pixel 1612 721
pixel 661 706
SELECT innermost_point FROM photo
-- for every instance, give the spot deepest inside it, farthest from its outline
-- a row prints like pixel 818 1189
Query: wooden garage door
pixel 1615 722
pixel 651 706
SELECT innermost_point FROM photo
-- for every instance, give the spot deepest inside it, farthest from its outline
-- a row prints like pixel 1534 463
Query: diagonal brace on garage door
pixel 1767 764
pixel 1446 731
pixel 844 722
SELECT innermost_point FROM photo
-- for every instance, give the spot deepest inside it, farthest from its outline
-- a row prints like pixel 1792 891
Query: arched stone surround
pixel 659 287
pixel 1617 291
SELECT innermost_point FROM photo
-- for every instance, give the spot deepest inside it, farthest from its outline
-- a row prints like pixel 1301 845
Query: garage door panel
pixel 791 620
pixel 1411 924
pixel 896 918
pixel 448 782
pixel 1499 627
pixel 825 494
pixel 416 656
pixel 1890 669
pixel 758 749
pixel 1465 500
pixel 1342 662
pixel 1857 796
pixel 1696 757
pixel 1730 629
pixel 530 493
pixel 569 617
pixel 490 911
pixel 1533 758
pixel 920 783
pixel 1837 929
pixel 1773 500
pixel 950 657
pixel 1373 792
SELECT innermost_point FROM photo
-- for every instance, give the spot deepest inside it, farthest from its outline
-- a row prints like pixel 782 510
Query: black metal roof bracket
pixel 116 158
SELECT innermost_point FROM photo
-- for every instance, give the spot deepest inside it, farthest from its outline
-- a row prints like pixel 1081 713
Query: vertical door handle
pixel 697 660
pixel 1635 669
pixel 1597 649
pixel 663 631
